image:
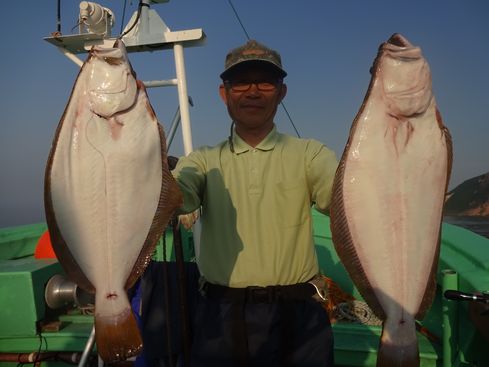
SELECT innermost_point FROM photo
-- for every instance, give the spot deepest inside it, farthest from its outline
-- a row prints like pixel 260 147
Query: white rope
pixel 356 311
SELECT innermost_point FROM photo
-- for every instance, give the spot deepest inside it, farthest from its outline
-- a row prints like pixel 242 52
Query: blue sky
pixel 327 48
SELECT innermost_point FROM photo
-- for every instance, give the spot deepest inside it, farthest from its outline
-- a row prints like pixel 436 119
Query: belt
pixel 294 292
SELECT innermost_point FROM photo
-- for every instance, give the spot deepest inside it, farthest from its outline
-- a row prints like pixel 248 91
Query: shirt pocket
pixel 291 202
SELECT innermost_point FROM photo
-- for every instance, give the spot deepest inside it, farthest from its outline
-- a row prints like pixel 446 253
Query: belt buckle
pixel 259 294
pixel 320 286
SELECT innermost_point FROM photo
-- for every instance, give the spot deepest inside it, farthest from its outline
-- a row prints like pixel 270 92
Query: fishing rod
pixel 464 296
pixel 478 308
pixel 166 302
pixel 182 287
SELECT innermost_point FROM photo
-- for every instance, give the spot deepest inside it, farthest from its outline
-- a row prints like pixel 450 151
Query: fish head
pixel 111 84
pixel 405 77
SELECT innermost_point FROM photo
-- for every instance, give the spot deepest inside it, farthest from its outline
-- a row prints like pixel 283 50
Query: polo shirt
pixel 256 207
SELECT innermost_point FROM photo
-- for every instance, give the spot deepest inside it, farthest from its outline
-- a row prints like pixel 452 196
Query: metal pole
pixel 173 129
pixel 449 317
pixel 88 348
pixel 174 125
pixel 182 290
pixel 58 17
pixel 183 98
pixel 160 83
pixel 71 56
pixel 144 19
pixel 166 303
pixel 185 121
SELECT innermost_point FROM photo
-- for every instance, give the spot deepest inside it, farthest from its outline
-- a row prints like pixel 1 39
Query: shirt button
pixel 255 150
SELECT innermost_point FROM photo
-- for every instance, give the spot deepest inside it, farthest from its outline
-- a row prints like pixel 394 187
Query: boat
pixel 448 337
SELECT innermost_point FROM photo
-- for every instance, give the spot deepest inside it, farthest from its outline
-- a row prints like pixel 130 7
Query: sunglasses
pixel 245 85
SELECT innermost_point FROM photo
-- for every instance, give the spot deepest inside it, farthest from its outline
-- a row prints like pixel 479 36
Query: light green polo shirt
pixel 256 207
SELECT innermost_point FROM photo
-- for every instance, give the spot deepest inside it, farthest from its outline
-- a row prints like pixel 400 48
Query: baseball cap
pixel 255 52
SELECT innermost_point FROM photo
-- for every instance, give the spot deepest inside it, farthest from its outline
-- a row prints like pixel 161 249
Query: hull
pixel 462 251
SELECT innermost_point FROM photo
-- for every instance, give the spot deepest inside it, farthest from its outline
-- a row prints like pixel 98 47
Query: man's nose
pixel 253 89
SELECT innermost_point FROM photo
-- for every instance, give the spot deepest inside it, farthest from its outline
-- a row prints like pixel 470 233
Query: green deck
pixel 462 251
pixel 355 344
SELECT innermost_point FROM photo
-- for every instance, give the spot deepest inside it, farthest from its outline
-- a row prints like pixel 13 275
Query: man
pixel 257 255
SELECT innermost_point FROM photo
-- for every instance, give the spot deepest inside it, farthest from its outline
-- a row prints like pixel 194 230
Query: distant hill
pixel 470 198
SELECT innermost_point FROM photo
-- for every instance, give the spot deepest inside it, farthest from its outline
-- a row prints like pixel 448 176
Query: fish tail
pixel 398 347
pixel 117 336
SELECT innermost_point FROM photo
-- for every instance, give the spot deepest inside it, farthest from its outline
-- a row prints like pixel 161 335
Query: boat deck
pixel 463 254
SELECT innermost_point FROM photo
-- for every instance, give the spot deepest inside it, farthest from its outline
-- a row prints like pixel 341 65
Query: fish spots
pixel 112 296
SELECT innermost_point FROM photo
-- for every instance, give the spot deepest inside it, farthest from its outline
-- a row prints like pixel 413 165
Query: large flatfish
pixel 388 197
pixel 108 192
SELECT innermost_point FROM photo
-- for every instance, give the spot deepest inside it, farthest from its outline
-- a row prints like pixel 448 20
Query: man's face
pixel 252 97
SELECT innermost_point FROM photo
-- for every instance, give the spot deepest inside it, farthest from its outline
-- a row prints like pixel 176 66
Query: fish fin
pixel 117 337
pixel 399 347
pixel 345 248
pixel 170 199
pixel 448 141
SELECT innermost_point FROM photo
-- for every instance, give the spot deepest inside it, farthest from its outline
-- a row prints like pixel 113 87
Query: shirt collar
pixel 240 146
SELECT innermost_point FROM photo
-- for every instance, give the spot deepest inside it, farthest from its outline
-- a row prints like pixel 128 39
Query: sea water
pixel 479 225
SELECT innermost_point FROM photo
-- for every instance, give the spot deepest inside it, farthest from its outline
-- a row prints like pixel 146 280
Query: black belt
pixel 294 292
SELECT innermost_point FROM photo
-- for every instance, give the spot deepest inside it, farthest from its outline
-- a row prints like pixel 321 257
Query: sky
pixel 327 48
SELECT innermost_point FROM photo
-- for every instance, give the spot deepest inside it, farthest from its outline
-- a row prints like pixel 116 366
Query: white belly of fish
pixel 105 192
pixel 395 168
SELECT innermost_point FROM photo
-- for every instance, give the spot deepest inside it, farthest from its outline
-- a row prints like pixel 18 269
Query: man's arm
pixel 190 175
pixel 321 169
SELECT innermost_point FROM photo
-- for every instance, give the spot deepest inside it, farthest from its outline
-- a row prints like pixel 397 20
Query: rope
pixel 356 311
pixel 342 306
pixel 239 20
pixel 88 309
pixel 138 15
pixel 123 15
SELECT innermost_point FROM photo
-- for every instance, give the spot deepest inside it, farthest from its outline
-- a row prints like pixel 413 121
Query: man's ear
pixel 222 93
pixel 283 92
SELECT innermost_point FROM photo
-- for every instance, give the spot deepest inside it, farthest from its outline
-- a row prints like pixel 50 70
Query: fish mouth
pixel 400 48
pixel 405 76
pixel 398 40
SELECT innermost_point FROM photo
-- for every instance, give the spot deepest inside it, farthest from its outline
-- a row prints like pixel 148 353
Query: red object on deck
pixel 44 249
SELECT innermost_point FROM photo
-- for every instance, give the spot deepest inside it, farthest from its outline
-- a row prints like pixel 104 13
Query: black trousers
pixel 255 334
pixel 251 329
